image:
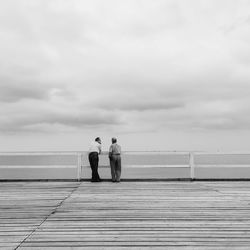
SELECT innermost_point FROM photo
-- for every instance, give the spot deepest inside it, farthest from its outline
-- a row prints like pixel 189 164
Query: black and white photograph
pixel 124 124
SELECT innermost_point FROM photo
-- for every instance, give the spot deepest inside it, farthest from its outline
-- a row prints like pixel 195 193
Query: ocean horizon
pixel 135 165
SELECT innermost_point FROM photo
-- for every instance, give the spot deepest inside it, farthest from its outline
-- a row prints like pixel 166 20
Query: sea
pixel 135 165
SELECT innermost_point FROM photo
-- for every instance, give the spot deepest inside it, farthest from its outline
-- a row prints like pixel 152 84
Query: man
pixel 115 160
pixel 94 151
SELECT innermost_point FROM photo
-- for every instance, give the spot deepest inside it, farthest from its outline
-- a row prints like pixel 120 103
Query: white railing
pixel 31 164
pixel 74 165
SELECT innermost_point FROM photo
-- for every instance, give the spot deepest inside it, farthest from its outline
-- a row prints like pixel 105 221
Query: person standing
pixel 115 160
pixel 94 151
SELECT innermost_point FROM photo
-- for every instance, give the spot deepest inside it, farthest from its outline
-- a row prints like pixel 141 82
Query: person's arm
pixel 110 151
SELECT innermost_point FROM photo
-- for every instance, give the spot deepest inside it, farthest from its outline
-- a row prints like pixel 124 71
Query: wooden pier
pixel 127 215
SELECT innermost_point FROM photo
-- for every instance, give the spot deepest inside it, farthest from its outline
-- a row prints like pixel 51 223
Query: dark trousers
pixel 115 165
pixel 93 161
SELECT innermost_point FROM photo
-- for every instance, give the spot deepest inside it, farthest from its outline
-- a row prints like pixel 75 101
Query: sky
pixel 158 75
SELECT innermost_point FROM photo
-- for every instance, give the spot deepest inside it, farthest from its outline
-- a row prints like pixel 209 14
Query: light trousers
pixel 115 165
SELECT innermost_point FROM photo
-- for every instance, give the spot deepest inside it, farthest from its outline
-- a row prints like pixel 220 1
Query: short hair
pixel 114 140
pixel 97 139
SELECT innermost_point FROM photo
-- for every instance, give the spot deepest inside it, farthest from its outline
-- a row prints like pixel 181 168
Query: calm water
pixel 134 165
pixel 127 159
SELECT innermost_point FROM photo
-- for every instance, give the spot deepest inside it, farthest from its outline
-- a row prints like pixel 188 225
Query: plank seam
pixel 52 212
pixel 211 188
pixel 234 196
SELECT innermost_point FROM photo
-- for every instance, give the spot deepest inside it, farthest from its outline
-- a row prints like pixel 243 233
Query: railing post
pixel 79 166
pixel 191 164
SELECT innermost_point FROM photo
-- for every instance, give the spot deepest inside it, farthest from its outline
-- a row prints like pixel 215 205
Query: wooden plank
pixel 126 215
pixel 24 206
pixel 137 248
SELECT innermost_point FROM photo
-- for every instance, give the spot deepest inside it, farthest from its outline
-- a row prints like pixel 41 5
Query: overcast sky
pixel 159 75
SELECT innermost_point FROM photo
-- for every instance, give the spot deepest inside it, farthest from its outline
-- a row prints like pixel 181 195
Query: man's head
pixel 98 139
pixel 114 140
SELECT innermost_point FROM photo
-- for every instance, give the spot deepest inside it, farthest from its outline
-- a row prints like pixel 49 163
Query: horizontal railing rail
pixel 75 165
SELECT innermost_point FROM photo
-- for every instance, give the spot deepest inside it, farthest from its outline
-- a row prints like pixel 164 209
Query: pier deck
pixel 126 215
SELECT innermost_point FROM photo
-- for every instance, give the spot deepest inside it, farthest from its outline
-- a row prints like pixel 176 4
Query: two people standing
pixel 114 158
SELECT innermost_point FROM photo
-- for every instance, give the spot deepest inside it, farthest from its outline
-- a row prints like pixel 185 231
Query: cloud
pixel 142 105
pixel 137 99
pixel 133 65
pixel 14 92
pixel 41 120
